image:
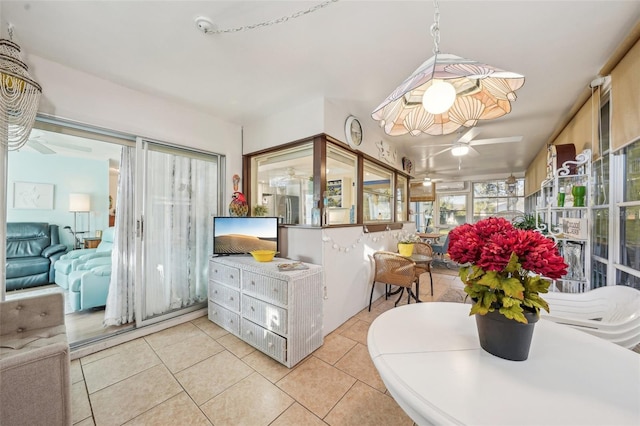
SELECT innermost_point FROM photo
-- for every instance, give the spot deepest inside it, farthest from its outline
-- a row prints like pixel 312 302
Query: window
pixel 600 196
pixel 493 198
pixel 341 192
pixel 401 199
pixel 377 190
pixel 284 184
pixel 452 210
pixel 630 219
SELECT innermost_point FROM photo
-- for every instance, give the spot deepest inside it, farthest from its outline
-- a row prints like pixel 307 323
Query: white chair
pixel 611 313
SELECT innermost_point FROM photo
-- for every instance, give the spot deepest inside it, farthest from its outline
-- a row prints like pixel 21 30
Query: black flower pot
pixel 506 338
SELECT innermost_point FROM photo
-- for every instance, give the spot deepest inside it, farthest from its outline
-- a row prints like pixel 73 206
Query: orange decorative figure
pixel 238 206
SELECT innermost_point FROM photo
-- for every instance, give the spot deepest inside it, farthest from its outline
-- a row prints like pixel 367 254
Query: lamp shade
pixel 79 203
pixel 482 92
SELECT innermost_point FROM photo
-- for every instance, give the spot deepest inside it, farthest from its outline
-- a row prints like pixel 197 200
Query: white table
pixel 430 359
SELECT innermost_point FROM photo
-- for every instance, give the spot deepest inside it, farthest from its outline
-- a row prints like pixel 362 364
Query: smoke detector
pixel 204 24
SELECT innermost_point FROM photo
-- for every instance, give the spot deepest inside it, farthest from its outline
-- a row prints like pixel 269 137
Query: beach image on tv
pixel 242 235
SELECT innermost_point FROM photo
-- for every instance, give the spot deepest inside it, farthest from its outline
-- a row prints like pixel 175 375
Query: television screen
pixel 240 235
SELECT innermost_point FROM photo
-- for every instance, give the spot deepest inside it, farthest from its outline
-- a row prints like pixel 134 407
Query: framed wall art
pixel 29 195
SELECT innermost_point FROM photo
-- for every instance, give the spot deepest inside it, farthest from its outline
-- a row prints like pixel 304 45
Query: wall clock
pixel 353 132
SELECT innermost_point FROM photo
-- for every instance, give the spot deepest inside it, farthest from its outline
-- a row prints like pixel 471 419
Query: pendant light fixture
pixel 19 99
pixel 447 92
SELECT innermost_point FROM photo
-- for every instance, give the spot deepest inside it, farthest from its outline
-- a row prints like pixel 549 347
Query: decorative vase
pixel 405 249
pixel 578 193
pixel 504 337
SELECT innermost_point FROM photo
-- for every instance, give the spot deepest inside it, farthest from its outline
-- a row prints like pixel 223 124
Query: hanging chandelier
pixel 19 96
pixel 447 92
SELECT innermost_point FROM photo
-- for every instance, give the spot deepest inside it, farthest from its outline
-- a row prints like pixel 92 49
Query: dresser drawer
pixel 267 288
pixel 270 343
pixel 224 274
pixel 224 296
pixel 265 314
pixel 226 319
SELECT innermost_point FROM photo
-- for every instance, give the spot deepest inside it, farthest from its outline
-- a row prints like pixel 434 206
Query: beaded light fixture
pixel 19 98
pixel 447 92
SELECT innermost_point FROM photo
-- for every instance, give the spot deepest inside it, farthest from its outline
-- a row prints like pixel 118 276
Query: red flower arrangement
pixel 504 266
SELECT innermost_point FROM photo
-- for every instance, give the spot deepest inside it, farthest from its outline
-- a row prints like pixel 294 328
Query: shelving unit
pixel 567 223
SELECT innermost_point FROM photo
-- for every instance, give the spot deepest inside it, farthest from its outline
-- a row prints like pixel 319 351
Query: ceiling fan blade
pixel 39 147
pixel 429 146
pixel 469 135
pixel 70 146
pixel 490 141
pixel 437 153
pixel 473 152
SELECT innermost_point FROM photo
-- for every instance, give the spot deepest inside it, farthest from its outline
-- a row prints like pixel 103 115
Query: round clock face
pixel 353 132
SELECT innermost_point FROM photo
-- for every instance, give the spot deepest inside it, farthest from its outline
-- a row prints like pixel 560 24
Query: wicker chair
pixel 426 250
pixel 393 269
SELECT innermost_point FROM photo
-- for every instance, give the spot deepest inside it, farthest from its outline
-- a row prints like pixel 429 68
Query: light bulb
pixel 460 150
pixel 439 97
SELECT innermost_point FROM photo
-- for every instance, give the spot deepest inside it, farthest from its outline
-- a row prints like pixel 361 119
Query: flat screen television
pixel 240 235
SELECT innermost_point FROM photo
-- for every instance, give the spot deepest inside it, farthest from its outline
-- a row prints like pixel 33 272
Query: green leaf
pixel 491 279
pixel 514 312
pixel 512 287
pixel 537 284
pixel 477 308
pixel 513 264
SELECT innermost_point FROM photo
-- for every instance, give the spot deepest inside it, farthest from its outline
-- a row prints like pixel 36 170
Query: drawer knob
pixel 249 332
pixel 215 271
pixel 270 344
pixel 215 291
pixel 230 321
pixel 275 290
pixel 253 283
pixel 231 298
pixel 231 276
pixel 253 309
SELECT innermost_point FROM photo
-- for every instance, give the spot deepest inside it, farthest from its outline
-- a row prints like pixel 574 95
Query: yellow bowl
pixel 263 255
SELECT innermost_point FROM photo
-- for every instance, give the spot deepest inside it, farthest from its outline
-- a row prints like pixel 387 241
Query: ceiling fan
pixel 464 144
pixel 43 146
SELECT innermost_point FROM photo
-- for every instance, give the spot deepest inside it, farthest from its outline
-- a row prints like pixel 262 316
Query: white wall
pixel 77 96
pixel 294 123
pixel 68 175
pixel 345 254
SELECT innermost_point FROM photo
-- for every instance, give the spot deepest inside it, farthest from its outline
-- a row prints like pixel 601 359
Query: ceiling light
pixel 511 184
pixel 19 96
pixel 426 181
pixel 439 97
pixel 482 92
pixel 460 149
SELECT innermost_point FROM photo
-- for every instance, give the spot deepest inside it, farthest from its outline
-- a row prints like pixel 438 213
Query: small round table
pixel 429 357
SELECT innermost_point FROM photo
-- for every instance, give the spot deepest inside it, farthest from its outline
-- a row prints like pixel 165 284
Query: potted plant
pixel 406 242
pixel 259 210
pixel 505 270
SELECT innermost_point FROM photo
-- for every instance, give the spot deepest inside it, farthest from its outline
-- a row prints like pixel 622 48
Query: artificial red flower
pixel 490 242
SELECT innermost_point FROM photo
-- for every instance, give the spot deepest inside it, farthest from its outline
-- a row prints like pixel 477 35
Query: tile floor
pixel 198 374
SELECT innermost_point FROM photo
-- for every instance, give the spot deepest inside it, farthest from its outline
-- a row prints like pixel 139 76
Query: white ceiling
pixel 352 51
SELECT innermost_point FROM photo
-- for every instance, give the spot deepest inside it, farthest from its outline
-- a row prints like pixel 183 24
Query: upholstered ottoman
pixel 34 362
pixel 89 288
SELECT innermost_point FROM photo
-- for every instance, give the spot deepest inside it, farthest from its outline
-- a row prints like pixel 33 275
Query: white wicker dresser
pixel 277 312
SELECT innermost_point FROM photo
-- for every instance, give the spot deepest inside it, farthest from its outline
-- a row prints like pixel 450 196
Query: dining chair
pixel 424 249
pixel 393 269
pixel 440 250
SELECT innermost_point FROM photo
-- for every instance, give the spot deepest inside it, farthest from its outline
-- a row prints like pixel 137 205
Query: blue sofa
pixel 32 251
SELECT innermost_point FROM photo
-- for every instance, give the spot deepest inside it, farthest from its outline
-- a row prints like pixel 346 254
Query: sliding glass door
pixel 179 197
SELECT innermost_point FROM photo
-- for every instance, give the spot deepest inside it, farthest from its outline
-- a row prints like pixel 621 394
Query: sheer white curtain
pixel 120 302
pixel 180 197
